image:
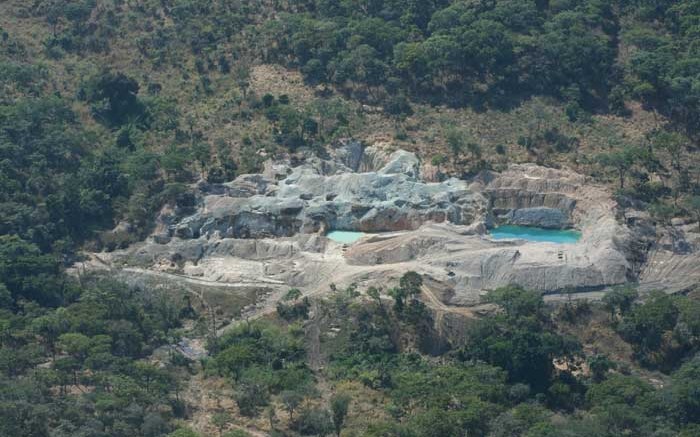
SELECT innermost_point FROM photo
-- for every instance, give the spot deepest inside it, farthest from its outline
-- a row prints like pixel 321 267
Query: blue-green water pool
pixel 345 237
pixel 535 234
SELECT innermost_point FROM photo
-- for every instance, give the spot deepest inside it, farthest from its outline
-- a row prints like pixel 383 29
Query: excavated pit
pixel 270 229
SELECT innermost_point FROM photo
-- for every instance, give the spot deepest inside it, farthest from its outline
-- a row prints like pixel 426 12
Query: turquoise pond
pixel 345 237
pixel 535 234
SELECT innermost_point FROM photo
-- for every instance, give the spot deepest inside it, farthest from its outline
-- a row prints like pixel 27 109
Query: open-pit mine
pixel 271 231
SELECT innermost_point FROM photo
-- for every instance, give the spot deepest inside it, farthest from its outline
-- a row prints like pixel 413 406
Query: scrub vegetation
pixel 111 110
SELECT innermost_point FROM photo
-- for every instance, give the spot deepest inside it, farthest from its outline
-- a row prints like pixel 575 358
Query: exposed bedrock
pixel 328 194
pixel 268 228
pixel 530 195
pixel 472 263
pixel 544 217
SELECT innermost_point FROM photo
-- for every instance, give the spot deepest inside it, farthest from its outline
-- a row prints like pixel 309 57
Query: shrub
pixel 314 421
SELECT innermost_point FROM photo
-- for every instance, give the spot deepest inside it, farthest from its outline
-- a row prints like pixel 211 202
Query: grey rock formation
pixel 543 217
pixel 529 195
pixel 525 195
pixel 268 229
pixel 322 195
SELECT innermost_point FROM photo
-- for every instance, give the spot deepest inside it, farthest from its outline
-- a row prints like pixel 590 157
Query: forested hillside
pixel 119 104
pixel 111 111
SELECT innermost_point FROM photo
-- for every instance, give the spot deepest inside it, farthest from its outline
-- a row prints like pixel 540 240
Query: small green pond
pixel 345 237
pixel 535 234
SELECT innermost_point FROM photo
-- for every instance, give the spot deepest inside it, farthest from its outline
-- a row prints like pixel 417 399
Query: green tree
pixel 456 142
pixel 474 150
pixel 398 107
pixel 221 421
pixel 646 324
pixel 314 421
pixel 620 299
pixel 241 74
pixel 250 397
pixel 293 294
pixel 662 212
pixel 517 339
pixel 114 99
pixel 375 294
pixel 438 161
pixel 672 143
pixel 75 344
pixel 224 65
pixel 409 287
pixel 183 432
pixel 291 400
pixel 621 161
pixel 411 282
pixel 339 409
pixel 27 273
pixel 685 403
pixel 234 359
pixel 5 297
pixel 49 328
pixel 599 365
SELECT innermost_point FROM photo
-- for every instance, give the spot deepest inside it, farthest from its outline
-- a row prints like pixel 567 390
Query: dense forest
pixel 111 110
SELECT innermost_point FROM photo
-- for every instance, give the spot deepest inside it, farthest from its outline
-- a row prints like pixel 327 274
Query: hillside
pixel 170 169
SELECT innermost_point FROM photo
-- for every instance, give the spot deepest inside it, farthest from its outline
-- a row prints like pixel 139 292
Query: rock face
pixel 322 195
pixel 543 217
pixel 530 195
pixel 269 229
pixel 471 263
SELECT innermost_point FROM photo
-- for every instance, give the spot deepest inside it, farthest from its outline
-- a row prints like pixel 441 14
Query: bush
pixel 250 398
pixel 183 432
pixel 293 311
pixel 114 98
pixel 314 421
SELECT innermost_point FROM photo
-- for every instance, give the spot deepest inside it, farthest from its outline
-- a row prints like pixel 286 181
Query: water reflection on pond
pixel 535 234
pixel 345 237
